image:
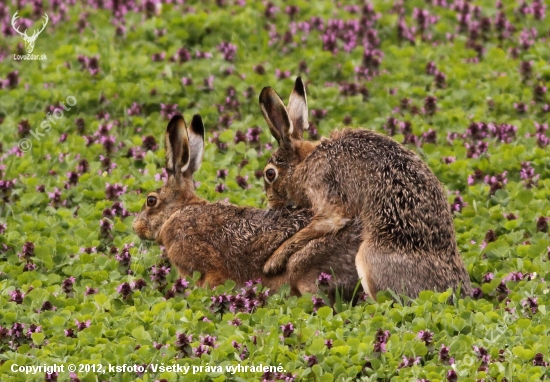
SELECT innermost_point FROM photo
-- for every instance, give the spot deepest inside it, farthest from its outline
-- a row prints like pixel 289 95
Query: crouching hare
pixel 223 241
pixel 408 239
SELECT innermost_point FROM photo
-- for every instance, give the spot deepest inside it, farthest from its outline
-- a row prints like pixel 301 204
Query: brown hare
pixel 408 239
pixel 223 241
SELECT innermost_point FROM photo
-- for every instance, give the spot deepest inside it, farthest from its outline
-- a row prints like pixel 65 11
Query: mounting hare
pixel 408 239
pixel 223 241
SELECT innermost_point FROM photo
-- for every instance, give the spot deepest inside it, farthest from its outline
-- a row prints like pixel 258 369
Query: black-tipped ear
pixel 297 109
pixel 276 116
pixel 176 142
pixel 196 144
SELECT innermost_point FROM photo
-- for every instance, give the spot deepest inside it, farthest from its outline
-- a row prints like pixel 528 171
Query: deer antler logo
pixel 29 40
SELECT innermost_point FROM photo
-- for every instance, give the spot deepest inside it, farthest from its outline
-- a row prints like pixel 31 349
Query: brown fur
pixel 223 241
pixel 408 233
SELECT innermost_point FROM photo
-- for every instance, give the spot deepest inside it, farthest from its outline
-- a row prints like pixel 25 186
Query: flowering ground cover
pixel 463 83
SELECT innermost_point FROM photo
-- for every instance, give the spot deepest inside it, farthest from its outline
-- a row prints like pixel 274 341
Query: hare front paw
pixel 277 262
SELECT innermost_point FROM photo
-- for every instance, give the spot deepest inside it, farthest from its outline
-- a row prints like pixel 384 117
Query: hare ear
pixel 276 116
pixel 176 142
pixel 196 144
pixel 297 109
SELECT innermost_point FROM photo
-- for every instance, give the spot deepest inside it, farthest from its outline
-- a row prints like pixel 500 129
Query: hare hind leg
pixel 320 225
pixel 364 271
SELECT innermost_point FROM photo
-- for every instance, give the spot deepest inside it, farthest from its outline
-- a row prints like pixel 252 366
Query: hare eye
pixel 270 174
pixel 151 201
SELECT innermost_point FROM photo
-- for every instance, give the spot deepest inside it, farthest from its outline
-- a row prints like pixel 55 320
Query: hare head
pixel 184 151
pixel 287 125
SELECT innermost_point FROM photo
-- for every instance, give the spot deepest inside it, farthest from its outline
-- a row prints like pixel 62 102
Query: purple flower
pixel 200 350
pixel 488 276
pixel 182 55
pixel 242 181
pixel 311 360
pixel 317 303
pixel 444 355
pixel 409 362
pixel 89 63
pixel 105 228
pixel 528 175
pixel 440 80
pixel 124 257
pixel 209 83
pixel 531 304
pixel 287 329
pixel 542 224
pixel 477 293
pixel 17 296
pixel 158 274
pixel 124 289
pixel 23 128
pixel 82 325
pixel 70 333
pixel 183 343
pixel 496 182
pixel 380 339
pixel 33 329
pixel 253 134
pixel 29 267
pixel 55 197
pixel 135 109
pixel 228 50
pixel 90 291
pixel 158 56
pixel 72 179
pixel 430 105
pixel 270 10
pixel 538 7
pixel 539 360
pixel 324 278
pixel 26 251
pixel 113 191
pixel 209 340
pixel 539 92
pixel 281 75
pixel 67 284
pixel 167 111
pixel 259 69
pixel 139 284
pixel 222 173
pixel 526 70
pixel 514 276
pixel 458 203
pixel 452 376
pixel 482 354
pixel 180 285
pixel 12 79
pixel 426 336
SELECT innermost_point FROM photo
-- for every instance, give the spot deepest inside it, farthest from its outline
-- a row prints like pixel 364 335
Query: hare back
pixel 401 202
